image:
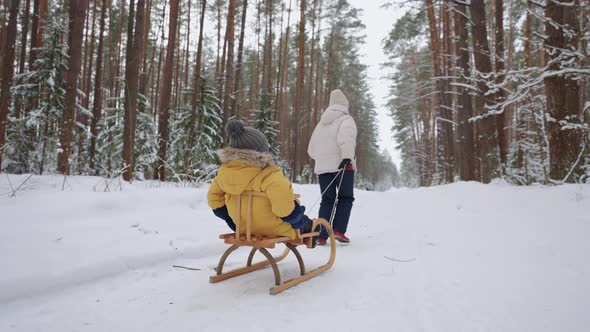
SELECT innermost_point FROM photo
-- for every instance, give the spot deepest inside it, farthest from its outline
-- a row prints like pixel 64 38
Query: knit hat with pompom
pixel 244 137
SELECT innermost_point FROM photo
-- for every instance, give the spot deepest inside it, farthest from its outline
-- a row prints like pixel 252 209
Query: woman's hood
pixel 338 107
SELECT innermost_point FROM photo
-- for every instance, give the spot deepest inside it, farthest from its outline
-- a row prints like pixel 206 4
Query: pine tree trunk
pixel 117 70
pixel 23 50
pixel 166 90
pixel 217 62
pixel 465 134
pixel 156 100
pixel 282 107
pixel 269 51
pixel 110 67
pixel 145 70
pixel 448 138
pixel 7 72
pixel 299 102
pixel 88 63
pixel 562 91
pixel 437 103
pixel 487 133
pixel 328 83
pixel 176 76
pixel 37 28
pixel 91 59
pixel 256 97
pixel 318 92
pixel 34 33
pixel 219 79
pixel 197 78
pixel 132 75
pixel 97 105
pixel 24 35
pixel 237 90
pixel 77 14
pixel 277 87
pixel 309 126
pixel 441 102
pixel 509 109
pixel 501 119
pixel 85 53
pixel 229 70
pixel 186 51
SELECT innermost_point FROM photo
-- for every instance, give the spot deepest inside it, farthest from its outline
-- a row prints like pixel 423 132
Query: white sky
pixel 379 21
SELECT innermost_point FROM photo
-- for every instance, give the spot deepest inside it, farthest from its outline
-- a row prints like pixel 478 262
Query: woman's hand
pixel 344 163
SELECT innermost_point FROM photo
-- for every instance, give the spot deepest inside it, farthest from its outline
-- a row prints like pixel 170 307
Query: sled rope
pixel 328 187
pixel 333 214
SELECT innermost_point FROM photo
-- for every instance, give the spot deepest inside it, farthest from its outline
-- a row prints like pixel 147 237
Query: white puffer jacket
pixel 334 138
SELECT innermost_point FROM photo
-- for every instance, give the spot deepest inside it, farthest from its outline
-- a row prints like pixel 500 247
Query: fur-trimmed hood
pixel 258 159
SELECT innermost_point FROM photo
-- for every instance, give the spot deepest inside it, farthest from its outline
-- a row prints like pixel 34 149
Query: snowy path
pixel 486 258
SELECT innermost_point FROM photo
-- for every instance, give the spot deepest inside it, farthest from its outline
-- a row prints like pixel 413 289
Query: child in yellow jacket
pixel 248 165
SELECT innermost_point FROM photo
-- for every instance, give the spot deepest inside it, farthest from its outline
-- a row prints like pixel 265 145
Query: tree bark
pixel 309 126
pixel 299 102
pixel 487 134
pixel 237 90
pixel 166 90
pixel 23 51
pixel 197 78
pixel 256 97
pixel 132 74
pixel 217 62
pixel 318 92
pixel 229 68
pixel 91 60
pixel 145 70
pixel 7 72
pixel 467 150
pixel 24 35
pixel 269 51
pixel 440 99
pixel 448 138
pixel 37 28
pixel 562 91
pixel 97 105
pixel 76 26
pixel 282 108
pixel 186 51
pixel 502 118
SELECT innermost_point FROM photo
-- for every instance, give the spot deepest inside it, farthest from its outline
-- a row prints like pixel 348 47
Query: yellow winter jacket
pixel 249 170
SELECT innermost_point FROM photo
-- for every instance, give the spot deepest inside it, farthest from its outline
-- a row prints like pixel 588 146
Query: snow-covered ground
pixel 479 258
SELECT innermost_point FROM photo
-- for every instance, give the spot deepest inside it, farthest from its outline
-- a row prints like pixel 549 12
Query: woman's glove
pixel 344 163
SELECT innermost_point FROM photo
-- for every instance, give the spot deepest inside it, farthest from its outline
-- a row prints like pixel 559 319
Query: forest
pixel 482 90
pixel 141 89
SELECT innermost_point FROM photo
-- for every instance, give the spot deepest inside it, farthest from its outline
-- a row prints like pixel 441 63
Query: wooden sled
pixel 261 244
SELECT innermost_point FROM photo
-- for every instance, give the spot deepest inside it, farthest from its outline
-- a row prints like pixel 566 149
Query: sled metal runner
pixel 261 244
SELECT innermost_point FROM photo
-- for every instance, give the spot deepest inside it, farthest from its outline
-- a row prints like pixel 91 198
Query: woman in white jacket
pixel 332 146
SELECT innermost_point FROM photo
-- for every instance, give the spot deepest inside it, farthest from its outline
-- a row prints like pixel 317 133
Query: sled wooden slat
pixel 249 218
pixel 261 243
pixel 239 217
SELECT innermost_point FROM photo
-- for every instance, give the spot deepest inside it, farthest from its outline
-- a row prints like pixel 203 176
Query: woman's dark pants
pixel 345 199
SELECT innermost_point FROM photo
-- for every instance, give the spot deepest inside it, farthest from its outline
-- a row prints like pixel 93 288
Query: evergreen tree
pixel 263 122
pixel 32 139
